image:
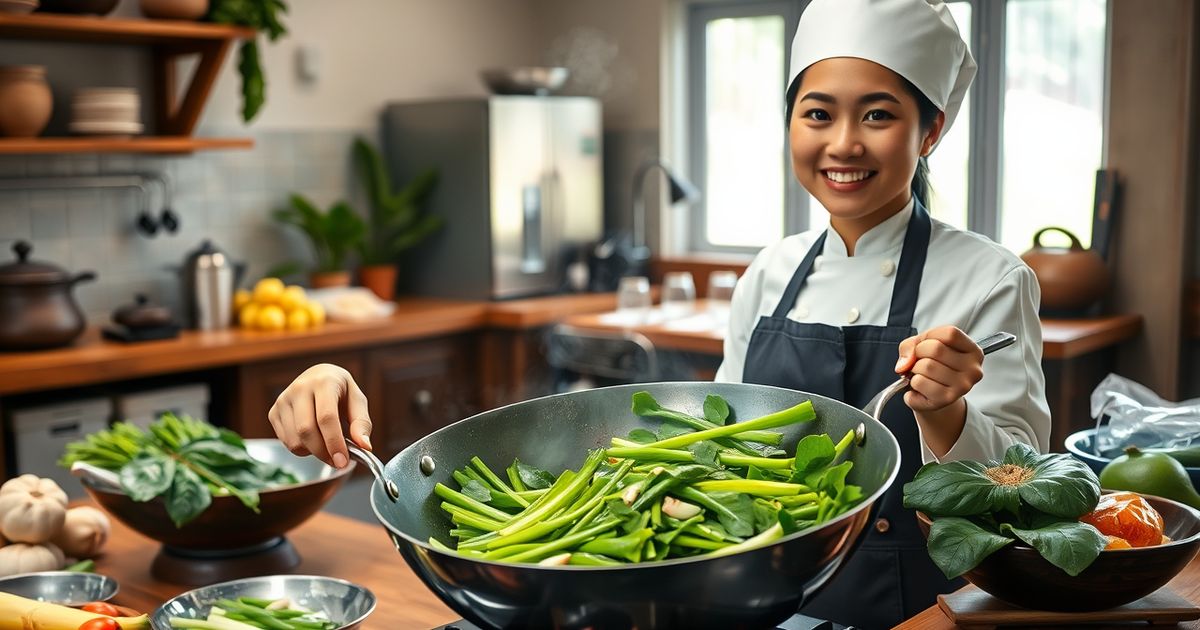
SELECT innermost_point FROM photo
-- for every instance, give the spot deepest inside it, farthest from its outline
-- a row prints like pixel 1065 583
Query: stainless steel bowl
pixel 540 80
pixel 344 602
pixel 69 588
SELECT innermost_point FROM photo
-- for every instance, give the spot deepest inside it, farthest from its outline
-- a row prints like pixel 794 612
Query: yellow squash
pixel 19 613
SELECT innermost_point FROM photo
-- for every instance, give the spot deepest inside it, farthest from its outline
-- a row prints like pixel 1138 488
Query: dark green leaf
pixel 215 453
pixel 1069 545
pixel 831 480
pixel 617 508
pixel 954 489
pixel 1060 483
pixel 787 522
pixel 187 498
pixel 688 473
pixel 477 491
pixel 958 545
pixel 147 476
pixel 642 436
pixel 766 515
pixel 738 516
pixel 667 431
pixel 229 437
pixel 533 478
pixel 716 410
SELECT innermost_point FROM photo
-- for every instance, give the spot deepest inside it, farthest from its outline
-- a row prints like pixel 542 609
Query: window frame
pixel 985 150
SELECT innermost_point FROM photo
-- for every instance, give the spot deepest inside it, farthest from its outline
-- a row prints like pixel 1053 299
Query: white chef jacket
pixel 969 282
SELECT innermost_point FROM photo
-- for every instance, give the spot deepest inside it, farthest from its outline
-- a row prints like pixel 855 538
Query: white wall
pixel 373 51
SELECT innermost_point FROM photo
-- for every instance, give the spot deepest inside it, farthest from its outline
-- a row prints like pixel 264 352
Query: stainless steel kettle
pixel 209 278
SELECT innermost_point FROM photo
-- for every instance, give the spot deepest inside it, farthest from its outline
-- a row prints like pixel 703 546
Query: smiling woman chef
pixel 837 311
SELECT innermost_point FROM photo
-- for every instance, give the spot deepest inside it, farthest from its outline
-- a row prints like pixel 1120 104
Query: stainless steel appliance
pixel 209 278
pixel 519 187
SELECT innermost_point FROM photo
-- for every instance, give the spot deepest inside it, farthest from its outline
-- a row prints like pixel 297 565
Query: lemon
pixel 293 296
pixel 297 319
pixel 316 313
pixel 268 290
pixel 241 297
pixel 248 316
pixel 271 317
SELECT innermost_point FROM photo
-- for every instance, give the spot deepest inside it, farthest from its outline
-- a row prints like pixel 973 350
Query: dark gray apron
pixel 890 577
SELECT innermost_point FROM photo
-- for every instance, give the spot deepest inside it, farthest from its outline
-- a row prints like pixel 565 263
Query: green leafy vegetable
pixel 261 15
pixel 977 508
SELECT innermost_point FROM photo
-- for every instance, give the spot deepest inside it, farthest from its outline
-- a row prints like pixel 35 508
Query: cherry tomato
pixel 101 608
pixel 100 623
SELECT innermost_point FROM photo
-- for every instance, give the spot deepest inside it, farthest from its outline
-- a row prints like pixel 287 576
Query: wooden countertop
pixel 328 544
pixel 1061 338
pixel 92 359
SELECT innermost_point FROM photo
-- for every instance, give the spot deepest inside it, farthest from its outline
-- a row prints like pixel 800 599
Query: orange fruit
pixel 1127 515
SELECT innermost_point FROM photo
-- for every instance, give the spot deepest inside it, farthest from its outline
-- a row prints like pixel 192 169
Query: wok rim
pixel 866 504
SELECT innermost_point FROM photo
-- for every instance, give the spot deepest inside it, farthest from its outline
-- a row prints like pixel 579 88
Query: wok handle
pixel 376 468
pixel 988 345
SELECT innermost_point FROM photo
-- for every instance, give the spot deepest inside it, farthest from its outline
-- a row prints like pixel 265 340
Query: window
pixel 1021 155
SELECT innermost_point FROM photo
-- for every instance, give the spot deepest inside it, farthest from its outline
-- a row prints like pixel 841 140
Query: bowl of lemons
pixel 274 306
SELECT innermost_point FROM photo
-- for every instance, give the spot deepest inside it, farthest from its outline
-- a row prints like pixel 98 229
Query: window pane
pixel 1053 117
pixel 948 164
pixel 744 131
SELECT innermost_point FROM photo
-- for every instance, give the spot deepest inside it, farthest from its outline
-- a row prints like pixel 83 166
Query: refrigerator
pixel 519 188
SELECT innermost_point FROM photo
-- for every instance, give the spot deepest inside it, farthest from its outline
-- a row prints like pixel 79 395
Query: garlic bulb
pixel 83 533
pixel 32 510
pixel 21 558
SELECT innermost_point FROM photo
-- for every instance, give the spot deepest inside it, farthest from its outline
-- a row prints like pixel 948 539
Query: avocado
pixel 1150 473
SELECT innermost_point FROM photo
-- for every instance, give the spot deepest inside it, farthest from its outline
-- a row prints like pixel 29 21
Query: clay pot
pixel 325 279
pixel 380 279
pixel 95 7
pixel 1071 278
pixel 175 9
pixel 25 101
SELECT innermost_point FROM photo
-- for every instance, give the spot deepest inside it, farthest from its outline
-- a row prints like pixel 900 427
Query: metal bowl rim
pixel 105 579
pixel 371 599
pixel 867 503
pixel 337 473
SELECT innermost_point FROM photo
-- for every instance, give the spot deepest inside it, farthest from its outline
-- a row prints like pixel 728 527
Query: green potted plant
pixel 396 221
pixel 262 15
pixel 333 235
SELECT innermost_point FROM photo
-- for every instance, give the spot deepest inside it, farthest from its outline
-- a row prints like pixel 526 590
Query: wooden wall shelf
pixel 169 40
pixel 155 144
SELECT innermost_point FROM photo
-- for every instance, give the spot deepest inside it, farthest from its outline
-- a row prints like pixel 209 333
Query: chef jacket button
pixel 887 267
pixel 817 262
pixel 852 316
pixel 802 311
pixel 882 525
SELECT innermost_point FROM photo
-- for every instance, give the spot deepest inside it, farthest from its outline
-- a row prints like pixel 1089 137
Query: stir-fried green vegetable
pixel 183 460
pixel 697 487
pixel 251 613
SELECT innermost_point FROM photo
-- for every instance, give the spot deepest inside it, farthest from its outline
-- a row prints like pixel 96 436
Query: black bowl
pixel 1019 575
pixel 1079 444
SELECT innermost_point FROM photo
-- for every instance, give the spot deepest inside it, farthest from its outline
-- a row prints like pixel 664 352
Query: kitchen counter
pixel 92 359
pixel 336 546
pixel 328 544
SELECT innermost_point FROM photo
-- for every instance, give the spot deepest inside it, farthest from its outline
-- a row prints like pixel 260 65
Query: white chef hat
pixel 916 39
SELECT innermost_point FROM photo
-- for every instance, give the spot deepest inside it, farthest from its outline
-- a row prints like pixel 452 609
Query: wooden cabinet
pixel 413 388
pixel 417 388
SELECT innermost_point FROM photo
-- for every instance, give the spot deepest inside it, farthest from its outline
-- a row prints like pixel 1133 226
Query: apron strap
pixel 912 265
pixel 788 299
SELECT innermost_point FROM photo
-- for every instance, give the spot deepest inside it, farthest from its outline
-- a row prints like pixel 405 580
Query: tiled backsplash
pixel 226 196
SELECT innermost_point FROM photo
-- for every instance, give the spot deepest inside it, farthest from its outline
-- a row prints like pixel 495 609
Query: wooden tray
pixel 973 608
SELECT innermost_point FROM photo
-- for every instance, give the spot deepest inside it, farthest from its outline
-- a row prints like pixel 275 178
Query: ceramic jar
pixel 1071 278
pixel 25 101
pixel 174 9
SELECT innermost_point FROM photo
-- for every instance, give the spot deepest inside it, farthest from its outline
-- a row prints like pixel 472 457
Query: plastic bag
pixel 1138 417
pixel 351 304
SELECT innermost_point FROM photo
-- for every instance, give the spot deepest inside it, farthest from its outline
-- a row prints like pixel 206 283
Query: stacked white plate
pixel 18 6
pixel 106 111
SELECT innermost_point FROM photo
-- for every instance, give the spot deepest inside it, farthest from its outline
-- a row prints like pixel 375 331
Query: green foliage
pixel 397 221
pixel 978 508
pixel 333 234
pixel 264 16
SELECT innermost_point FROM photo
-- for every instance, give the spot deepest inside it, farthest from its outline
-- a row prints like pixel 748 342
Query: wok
pixel 752 589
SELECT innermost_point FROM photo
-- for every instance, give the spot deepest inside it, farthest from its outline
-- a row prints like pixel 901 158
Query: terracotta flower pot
pixel 325 279
pixel 380 279
pixel 175 9
pixel 25 101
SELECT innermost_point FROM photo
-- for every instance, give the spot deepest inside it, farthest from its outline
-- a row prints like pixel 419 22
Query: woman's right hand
pixel 307 416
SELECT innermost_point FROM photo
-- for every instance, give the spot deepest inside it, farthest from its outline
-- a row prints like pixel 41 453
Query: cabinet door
pixel 417 388
pixel 259 384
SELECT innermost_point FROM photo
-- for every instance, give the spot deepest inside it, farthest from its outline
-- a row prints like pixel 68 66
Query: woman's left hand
pixel 944 364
